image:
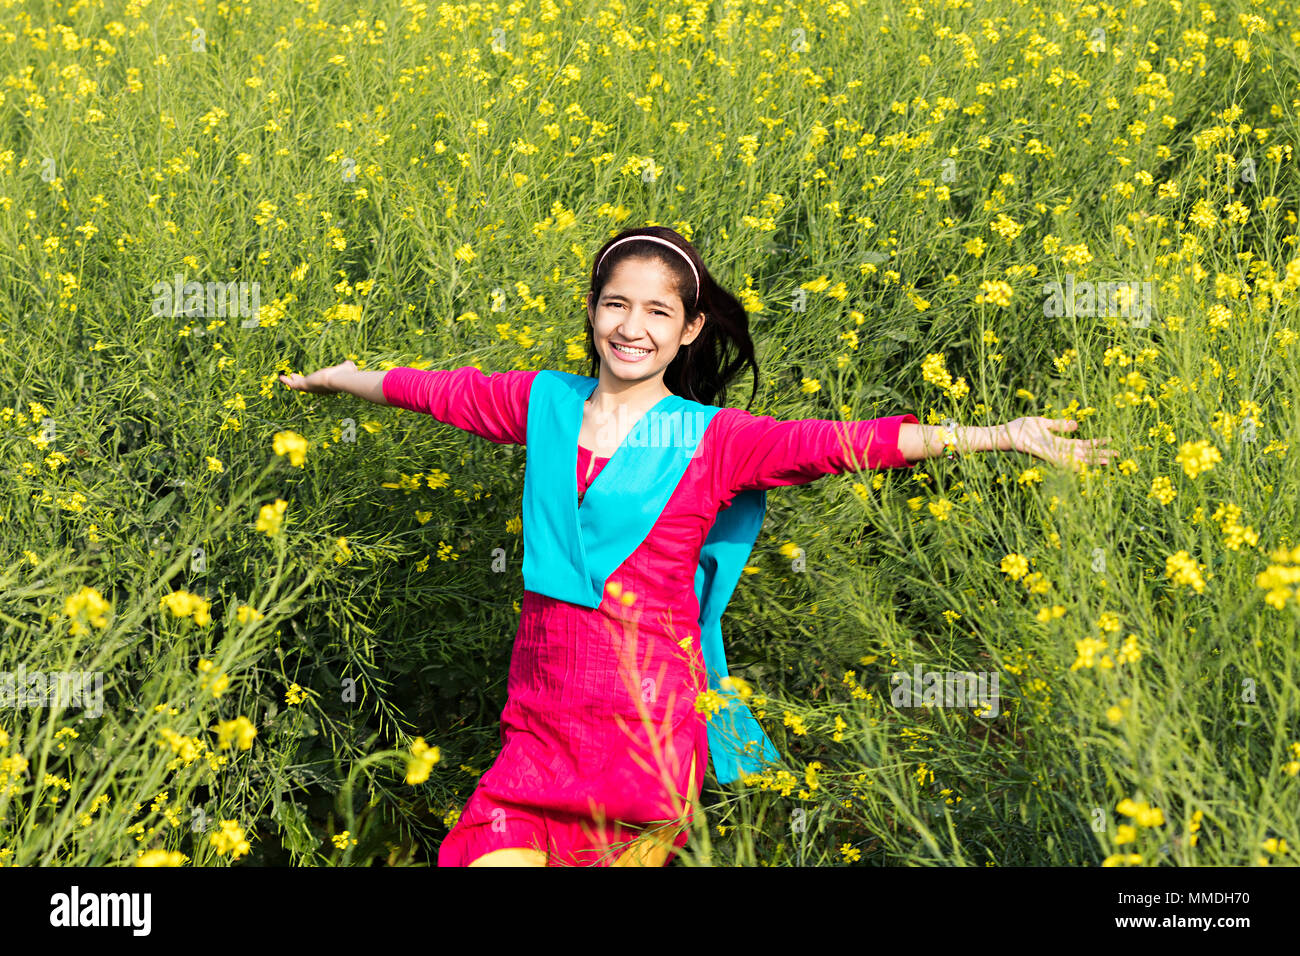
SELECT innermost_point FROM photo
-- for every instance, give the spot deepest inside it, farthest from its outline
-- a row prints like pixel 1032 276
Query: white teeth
pixel 631 351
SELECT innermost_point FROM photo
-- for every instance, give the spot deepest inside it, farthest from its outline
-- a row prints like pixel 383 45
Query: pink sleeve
pixel 760 452
pixel 492 406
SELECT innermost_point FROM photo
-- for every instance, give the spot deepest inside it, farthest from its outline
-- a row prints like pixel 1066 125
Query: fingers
pixel 1092 456
pixel 1094 451
pixel 1073 452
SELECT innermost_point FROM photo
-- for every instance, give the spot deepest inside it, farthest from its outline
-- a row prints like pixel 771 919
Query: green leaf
pixel 298 837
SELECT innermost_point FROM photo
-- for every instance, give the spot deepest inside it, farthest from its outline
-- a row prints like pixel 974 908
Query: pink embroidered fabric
pixel 583 682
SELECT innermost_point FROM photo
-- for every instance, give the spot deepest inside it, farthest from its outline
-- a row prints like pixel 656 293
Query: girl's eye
pixel 618 305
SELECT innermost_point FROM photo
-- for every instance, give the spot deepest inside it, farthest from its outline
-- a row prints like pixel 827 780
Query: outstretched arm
pixel 492 406
pixel 761 452
pixel 1031 435
pixel 344 377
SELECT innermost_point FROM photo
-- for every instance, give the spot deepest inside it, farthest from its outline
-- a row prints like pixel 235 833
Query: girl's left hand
pixel 1034 436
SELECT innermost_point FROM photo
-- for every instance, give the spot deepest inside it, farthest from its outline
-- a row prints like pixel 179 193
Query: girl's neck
pixel 610 394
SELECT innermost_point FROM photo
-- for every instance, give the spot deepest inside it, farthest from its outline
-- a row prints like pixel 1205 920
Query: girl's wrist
pixel 961 440
pixel 1000 438
pixel 970 438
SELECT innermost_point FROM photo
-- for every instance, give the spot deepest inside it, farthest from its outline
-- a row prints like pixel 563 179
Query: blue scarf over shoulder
pixel 570 549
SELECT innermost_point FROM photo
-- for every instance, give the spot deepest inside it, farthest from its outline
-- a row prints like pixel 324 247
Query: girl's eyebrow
pixel 614 295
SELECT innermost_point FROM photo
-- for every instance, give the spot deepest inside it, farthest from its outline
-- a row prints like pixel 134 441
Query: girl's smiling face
pixel 639 321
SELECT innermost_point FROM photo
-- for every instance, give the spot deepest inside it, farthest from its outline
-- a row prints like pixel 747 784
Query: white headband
pixel 665 242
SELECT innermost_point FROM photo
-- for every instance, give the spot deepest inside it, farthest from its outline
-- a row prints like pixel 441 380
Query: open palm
pixel 1034 436
pixel 318 382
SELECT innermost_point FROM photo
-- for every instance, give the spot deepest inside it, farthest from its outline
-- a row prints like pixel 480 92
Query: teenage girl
pixel 593 770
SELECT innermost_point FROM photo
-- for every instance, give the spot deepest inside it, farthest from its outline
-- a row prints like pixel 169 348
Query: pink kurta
pixel 573 743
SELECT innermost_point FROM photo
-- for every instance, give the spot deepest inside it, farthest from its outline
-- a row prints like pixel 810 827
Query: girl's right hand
pixel 318 382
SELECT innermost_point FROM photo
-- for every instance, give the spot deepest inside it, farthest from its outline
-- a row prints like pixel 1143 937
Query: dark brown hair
pixel 701 370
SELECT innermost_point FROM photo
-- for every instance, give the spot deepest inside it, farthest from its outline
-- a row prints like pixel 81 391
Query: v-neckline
pixel 583 496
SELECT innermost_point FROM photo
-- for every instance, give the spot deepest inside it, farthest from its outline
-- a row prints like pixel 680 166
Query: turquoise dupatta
pixel 571 549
